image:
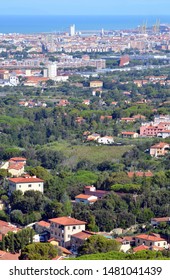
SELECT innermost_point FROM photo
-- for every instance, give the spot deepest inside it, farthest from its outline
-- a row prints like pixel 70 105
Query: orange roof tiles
pixel 83 196
pixel 25 180
pixel 140 248
pixel 149 237
pixel 161 219
pixel 18 159
pixel 128 133
pixel 83 234
pixel 66 221
pixel 160 145
pixel 43 224
pixel 140 174
pixel 8 256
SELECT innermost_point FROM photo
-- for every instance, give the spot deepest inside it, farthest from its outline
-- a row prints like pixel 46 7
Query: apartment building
pixel 63 228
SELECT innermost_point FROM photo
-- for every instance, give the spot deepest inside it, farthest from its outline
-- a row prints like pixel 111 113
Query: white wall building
pixel 26 184
pixel 72 30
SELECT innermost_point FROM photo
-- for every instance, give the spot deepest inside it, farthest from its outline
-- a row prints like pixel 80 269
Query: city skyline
pixel 88 7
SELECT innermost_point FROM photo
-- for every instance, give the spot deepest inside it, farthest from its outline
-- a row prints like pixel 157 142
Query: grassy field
pixel 93 153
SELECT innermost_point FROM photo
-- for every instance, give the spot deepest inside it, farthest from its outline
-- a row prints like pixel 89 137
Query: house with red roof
pixel 15 166
pixel 140 174
pixel 129 134
pixel 91 190
pixel 150 240
pixel 26 184
pixel 42 226
pixel 157 221
pixel 126 242
pixel 5 227
pixel 63 228
pixel 8 256
pixel 79 238
pixel 86 199
pixel 160 149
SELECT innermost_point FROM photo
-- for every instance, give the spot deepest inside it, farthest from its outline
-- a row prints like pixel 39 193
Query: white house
pixel 150 240
pixel 164 134
pixel 105 140
pixel 86 199
pixel 63 227
pixel 26 184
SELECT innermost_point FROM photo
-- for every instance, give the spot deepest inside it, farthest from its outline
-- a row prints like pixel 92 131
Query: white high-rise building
pixel 72 30
pixel 52 70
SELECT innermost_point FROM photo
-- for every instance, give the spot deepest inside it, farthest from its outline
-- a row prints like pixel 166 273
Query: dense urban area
pixel 85 145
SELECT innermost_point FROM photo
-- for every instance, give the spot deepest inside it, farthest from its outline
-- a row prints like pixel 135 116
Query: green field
pixel 93 153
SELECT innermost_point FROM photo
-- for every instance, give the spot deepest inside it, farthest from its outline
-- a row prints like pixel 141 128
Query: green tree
pixel 98 244
pixel 38 251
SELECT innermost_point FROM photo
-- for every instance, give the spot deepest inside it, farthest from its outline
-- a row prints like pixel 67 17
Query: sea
pixel 37 24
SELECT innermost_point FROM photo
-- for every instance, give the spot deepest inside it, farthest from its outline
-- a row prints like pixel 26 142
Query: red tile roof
pixel 25 180
pixel 140 174
pixel 140 248
pixel 64 250
pixel 128 133
pixel 83 196
pixel 83 235
pixel 161 219
pixel 18 159
pixel 43 224
pixel 160 145
pixel 15 165
pixel 66 221
pixel 8 256
pixel 149 237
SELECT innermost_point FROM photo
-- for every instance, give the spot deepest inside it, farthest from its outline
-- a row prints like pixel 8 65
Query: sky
pixel 85 7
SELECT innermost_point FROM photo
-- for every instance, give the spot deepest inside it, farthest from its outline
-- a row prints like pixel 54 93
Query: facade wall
pixel 63 233
pixel 139 241
pixel 15 172
pixel 38 186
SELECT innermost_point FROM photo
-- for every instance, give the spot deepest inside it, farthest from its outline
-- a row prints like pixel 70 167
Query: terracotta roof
pixel 25 180
pixel 64 250
pixel 128 133
pixel 83 235
pixel 66 221
pixel 18 159
pixel 43 224
pixel 160 145
pixel 15 165
pixel 162 219
pixel 8 256
pixel 125 238
pixel 140 248
pixel 149 237
pixel 140 174
pixel 83 196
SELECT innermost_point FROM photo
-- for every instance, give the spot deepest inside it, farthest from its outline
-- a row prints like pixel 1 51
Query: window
pixel 19 186
pixel 29 185
pixel 68 235
pixel 68 227
pixel 158 244
pixel 150 243
pixel 74 227
pixel 39 185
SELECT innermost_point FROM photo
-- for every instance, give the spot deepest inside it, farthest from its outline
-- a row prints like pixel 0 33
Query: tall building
pixel 51 71
pixel 72 30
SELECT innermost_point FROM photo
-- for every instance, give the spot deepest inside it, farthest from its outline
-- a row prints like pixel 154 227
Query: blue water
pixel 36 24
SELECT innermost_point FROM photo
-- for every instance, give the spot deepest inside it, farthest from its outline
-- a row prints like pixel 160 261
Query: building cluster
pixel 160 127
